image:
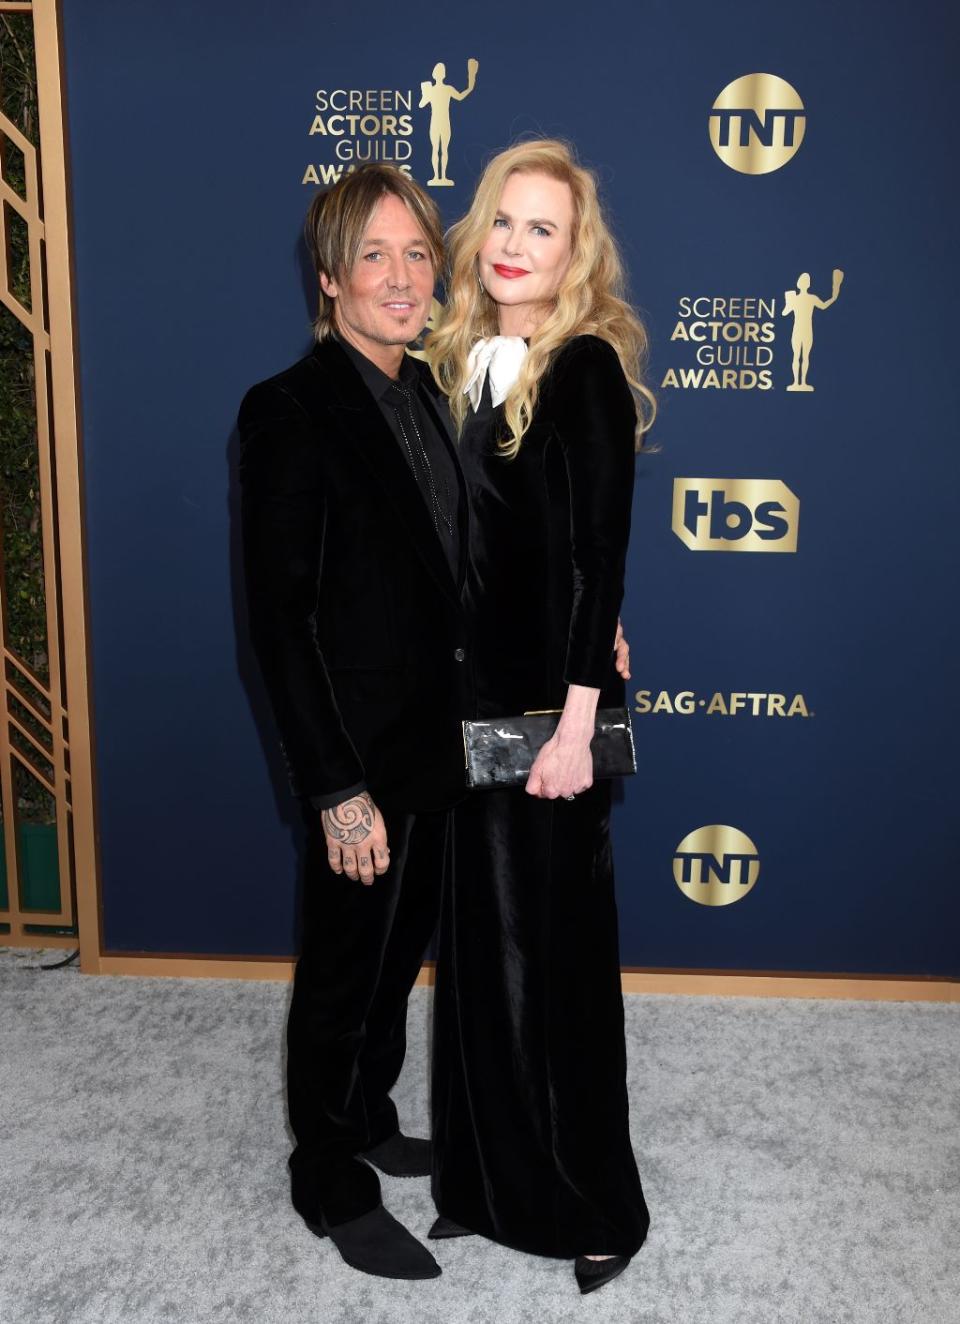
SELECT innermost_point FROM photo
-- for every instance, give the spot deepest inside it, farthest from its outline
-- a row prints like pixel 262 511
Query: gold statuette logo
pixel 438 95
pixel 716 865
pixel 800 304
pixel 757 124
pixel 735 514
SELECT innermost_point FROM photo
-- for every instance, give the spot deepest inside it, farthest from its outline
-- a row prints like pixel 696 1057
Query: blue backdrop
pixel 190 141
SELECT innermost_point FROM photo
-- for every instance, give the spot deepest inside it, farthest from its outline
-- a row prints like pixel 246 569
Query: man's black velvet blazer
pixel 355 616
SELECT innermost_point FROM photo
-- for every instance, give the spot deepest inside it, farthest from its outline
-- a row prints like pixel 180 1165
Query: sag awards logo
pixel 354 125
pixel 800 304
pixel 716 865
pixel 757 124
pixel 736 703
pixel 735 514
pixel 730 343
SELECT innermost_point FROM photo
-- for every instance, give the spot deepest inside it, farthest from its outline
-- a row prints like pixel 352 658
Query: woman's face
pixel 528 250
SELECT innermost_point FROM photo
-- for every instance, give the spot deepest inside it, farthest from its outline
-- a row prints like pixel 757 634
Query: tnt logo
pixel 757 124
pixel 735 514
pixel 716 865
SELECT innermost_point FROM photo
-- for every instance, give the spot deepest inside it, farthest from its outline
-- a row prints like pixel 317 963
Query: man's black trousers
pixel 361 952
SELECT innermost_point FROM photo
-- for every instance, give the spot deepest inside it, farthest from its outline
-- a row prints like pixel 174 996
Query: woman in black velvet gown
pixel 540 358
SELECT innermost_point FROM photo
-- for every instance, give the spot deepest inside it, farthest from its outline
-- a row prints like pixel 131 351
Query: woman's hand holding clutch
pixel 561 771
pixel 564 766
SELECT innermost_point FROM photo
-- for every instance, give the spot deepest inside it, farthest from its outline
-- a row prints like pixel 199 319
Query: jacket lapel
pixel 437 407
pixel 345 394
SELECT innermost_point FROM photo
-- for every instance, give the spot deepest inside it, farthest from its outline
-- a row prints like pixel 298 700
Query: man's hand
pixel 356 838
pixel 622 650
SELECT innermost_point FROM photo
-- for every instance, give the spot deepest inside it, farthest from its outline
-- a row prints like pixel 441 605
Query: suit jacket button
pixel 459 654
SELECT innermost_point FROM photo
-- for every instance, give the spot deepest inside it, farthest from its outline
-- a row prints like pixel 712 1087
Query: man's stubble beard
pixel 406 338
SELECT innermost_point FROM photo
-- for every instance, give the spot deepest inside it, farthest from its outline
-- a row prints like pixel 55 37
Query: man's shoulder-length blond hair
pixel 338 219
pixel 589 301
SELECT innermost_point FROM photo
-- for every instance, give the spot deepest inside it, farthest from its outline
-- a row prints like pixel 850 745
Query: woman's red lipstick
pixel 509 273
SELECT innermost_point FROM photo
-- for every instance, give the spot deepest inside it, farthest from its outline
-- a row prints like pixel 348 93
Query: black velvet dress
pixel 531 1137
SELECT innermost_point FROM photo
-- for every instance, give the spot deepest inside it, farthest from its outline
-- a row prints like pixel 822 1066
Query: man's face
pixel 385 300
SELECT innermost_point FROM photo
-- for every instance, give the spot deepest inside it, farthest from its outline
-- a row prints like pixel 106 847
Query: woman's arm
pixel 596 422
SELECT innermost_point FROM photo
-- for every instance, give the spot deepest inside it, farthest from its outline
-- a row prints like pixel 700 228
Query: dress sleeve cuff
pixel 335 797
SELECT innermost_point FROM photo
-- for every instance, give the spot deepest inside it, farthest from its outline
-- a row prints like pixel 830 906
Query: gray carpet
pixel 801 1161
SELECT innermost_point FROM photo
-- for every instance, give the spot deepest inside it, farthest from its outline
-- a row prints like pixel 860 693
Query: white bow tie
pixel 500 356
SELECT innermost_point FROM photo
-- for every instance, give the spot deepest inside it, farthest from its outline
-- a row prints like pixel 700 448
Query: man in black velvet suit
pixel 354 542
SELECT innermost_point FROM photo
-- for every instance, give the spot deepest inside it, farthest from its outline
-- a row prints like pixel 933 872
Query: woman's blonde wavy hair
pixel 589 301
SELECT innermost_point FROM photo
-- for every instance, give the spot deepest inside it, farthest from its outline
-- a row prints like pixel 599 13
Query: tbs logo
pixel 735 514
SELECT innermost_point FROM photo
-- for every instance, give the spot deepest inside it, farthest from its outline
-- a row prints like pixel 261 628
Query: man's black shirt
pixel 438 480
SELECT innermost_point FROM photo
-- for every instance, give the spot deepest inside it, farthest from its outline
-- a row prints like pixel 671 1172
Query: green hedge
pixel 21 553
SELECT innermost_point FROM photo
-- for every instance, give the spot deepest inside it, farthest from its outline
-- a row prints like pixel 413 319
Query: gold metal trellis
pixel 46 775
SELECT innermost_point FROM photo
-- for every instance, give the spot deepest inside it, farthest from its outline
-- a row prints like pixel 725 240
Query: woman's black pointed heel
pixel 443 1228
pixel 591 1274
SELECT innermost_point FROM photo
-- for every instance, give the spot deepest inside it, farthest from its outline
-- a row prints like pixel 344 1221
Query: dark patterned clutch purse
pixel 501 751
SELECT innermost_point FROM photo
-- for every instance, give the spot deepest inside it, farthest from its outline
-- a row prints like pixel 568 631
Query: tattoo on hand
pixel 349 822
